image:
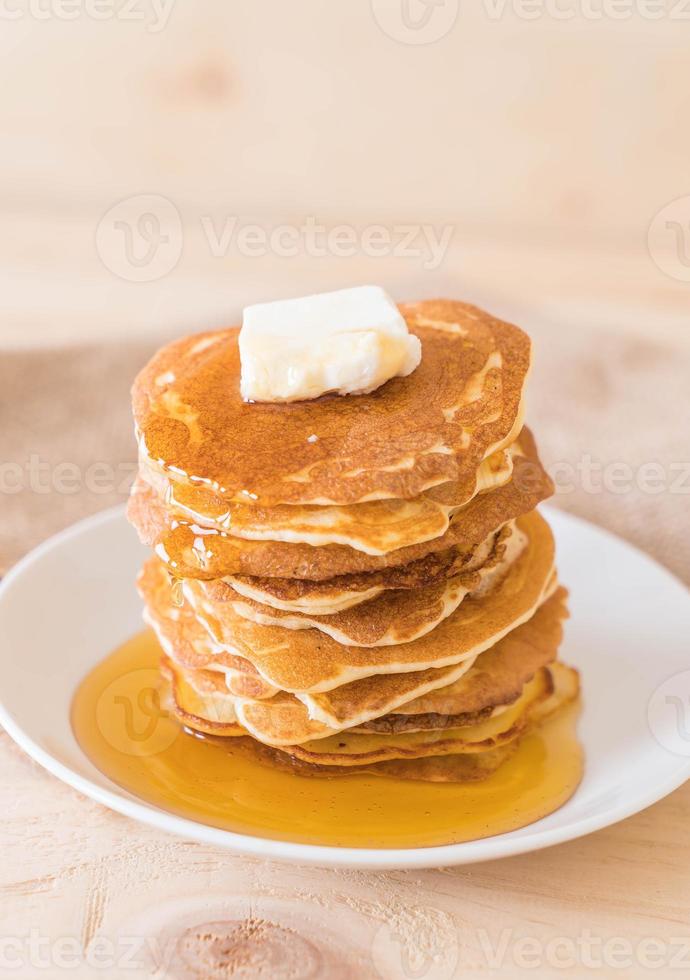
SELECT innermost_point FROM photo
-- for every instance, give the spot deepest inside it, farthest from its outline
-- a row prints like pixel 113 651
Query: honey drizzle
pixel 122 726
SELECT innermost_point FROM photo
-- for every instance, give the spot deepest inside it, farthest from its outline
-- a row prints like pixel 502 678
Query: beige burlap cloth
pixel 611 415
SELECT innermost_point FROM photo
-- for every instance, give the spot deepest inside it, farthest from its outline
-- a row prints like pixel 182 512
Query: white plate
pixel 628 633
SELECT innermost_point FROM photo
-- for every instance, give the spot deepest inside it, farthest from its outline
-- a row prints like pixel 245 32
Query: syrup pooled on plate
pixel 120 721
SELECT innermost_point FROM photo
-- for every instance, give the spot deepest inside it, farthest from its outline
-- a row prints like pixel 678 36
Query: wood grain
pixel 121 891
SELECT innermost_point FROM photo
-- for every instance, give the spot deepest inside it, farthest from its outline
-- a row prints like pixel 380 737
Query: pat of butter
pixel 350 341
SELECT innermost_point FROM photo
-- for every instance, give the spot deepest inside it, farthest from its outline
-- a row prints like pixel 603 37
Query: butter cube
pixel 349 341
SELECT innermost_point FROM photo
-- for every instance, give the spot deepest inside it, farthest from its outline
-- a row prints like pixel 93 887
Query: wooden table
pixel 87 893
pixel 79 881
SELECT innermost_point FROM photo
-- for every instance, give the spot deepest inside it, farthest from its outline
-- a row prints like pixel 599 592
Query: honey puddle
pixel 120 724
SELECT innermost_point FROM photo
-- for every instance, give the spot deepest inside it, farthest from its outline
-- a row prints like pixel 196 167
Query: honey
pixel 122 725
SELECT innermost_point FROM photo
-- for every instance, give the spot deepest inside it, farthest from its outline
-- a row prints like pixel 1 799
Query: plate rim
pixel 466 852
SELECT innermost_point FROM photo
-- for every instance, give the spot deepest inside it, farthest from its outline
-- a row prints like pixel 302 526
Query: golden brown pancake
pixel 345 591
pixel 460 767
pixel 283 718
pixel 377 695
pixel 206 707
pixel 186 644
pixel 436 425
pixel 183 639
pixel 350 748
pixel 494 679
pixel 200 710
pixel 465 768
pixel 375 528
pixel 309 661
pixel 192 551
pixel 392 617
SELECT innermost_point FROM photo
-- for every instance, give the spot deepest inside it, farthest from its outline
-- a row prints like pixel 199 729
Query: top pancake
pixel 437 425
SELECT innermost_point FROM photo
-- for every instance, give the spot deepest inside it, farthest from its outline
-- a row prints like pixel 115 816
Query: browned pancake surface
pixel 496 678
pixel 308 660
pixel 395 616
pixel 194 552
pixel 183 639
pixel 435 425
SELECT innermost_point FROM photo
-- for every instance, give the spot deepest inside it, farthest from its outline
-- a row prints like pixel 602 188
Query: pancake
pixel 183 639
pixel 205 707
pixel 345 591
pixel 201 710
pixel 188 647
pixel 393 617
pixel 459 767
pixel 284 718
pixel 193 551
pixel 381 694
pixel 374 528
pixel 352 749
pixel 309 661
pixel 464 768
pixel 436 425
pixel 201 697
pixel 493 680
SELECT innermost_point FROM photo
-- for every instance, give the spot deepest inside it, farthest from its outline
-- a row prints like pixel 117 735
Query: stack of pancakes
pixel 356 583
